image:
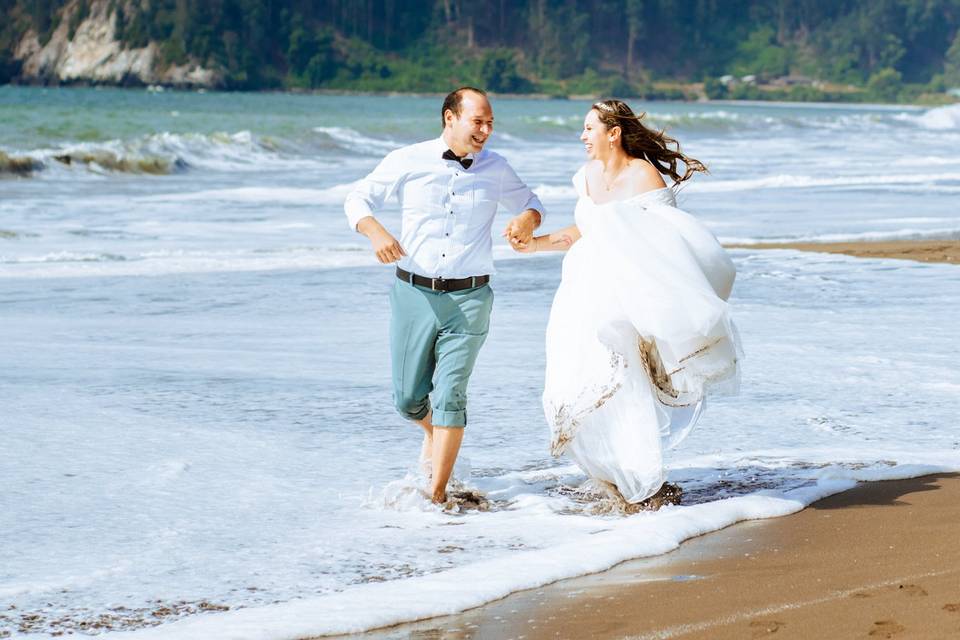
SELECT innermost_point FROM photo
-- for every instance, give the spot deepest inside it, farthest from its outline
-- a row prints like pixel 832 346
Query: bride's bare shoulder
pixel 643 176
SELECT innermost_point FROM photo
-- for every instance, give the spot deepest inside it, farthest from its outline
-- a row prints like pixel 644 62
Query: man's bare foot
pixel 426 456
pixel 467 500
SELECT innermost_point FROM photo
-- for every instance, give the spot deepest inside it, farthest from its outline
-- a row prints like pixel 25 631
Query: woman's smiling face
pixel 594 136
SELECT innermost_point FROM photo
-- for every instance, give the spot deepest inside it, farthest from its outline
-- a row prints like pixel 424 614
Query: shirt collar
pixel 442 146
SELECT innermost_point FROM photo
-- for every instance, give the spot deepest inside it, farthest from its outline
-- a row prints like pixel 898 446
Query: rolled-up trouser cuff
pixel 415 413
pixel 449 418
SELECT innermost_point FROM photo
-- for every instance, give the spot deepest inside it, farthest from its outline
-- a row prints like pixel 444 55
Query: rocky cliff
pixel 95 55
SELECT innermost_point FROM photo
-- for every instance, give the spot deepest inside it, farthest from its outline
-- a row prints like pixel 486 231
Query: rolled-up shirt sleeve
pixel 515 196
pixel 371 193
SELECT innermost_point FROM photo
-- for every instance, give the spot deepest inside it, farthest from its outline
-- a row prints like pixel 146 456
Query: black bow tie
pixel 465 162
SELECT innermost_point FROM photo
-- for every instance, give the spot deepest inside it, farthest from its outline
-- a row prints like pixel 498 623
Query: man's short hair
pixel 454 102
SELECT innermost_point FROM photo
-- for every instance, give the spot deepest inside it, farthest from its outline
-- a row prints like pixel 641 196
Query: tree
pixel 760 54
pixel 634 11
pixel 303 46
pixel 499 72
pixel 714 89
pixel 885 85
pixel 951 63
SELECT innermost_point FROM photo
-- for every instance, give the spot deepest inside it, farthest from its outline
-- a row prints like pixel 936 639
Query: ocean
pixel 197 438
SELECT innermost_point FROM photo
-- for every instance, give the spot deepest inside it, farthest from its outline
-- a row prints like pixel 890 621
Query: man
pixel 448 189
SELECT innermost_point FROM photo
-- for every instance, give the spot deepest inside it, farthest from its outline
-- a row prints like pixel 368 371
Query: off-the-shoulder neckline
pixel 585 194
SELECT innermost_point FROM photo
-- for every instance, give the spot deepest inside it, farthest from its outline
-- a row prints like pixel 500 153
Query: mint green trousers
pixel 435 338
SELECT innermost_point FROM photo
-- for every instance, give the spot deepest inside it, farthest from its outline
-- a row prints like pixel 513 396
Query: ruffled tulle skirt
pixel 639 334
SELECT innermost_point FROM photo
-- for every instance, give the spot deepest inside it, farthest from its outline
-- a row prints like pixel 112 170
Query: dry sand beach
pixel 881 560
pixel 947 251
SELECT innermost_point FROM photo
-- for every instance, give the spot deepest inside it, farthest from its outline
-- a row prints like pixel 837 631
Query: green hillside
pixel 797 49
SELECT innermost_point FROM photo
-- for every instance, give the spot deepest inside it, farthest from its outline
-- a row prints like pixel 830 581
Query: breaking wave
pixel 23 166
pixel 356 142
pixel 939 119
pixel 157 154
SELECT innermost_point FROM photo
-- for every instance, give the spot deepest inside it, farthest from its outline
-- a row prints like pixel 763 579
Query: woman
pixel 639 330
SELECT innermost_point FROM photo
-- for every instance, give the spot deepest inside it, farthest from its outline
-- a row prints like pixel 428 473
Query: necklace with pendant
pixel 609 185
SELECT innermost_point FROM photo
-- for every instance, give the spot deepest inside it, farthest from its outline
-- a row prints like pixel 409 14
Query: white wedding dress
pixel 639 332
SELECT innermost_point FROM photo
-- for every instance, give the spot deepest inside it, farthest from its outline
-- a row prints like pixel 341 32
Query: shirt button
pixel 443 255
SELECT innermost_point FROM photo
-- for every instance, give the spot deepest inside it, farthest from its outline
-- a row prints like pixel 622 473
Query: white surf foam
pixel 468 586
pixel 911 182
pixel 284 195
pixel 165 262
pixel 788 181
pixel 556 192
pixel 912 220
pixel 71 264
pixel 560 121
pixel 945 118
pixel 507 137
pixel 353 140
pixel 949 233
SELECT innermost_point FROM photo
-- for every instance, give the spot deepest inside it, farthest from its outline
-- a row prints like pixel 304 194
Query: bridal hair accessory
pixel 603 106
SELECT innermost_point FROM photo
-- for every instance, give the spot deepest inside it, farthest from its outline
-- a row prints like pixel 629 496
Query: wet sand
pixel 879 561
pixel 921 250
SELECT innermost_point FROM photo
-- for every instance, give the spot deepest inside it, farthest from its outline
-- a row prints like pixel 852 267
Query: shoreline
pixel 879 560
pixel 934 251
pixel 160 87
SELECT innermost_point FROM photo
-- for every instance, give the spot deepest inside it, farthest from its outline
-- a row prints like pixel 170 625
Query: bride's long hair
pixel 640 142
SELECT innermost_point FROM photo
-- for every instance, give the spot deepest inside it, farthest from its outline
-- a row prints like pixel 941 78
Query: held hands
pixel 519 231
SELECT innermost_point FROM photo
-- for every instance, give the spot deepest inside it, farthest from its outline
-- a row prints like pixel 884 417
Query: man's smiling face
pixel 469 131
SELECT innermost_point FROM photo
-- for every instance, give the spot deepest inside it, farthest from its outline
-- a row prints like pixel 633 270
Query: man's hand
pixel 384 245
pixel 519 231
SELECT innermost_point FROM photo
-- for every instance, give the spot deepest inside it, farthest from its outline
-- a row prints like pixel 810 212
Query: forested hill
pixel 799 47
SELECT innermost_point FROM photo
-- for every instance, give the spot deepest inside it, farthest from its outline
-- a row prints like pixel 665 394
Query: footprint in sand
pixel 886 629
pixel 913 590
pixel 761 628
pixel 952 607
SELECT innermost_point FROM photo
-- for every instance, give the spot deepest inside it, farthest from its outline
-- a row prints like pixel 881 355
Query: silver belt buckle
pixel 433 284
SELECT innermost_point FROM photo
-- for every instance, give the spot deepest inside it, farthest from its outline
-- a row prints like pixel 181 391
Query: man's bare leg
pixel 426 449
pixel 446 446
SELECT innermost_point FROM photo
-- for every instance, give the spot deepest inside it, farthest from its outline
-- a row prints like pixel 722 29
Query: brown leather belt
pixel 441 284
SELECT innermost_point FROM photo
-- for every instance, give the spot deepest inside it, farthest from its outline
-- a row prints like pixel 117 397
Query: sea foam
pixel 946 118
pixel 468 586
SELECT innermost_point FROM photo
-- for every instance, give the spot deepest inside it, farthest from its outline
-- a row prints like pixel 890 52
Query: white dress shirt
pixel 447 211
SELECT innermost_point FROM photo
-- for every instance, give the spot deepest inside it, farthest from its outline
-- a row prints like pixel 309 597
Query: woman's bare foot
pixel 668 494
